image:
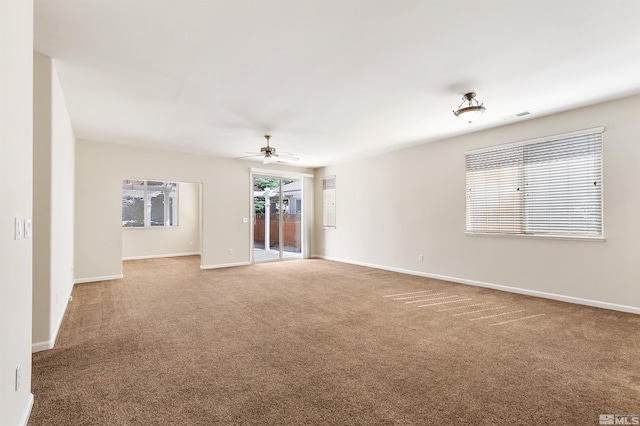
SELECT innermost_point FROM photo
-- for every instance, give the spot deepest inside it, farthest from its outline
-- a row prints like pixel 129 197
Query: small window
pixel 545 187
pixel 149 203
pixel 329 202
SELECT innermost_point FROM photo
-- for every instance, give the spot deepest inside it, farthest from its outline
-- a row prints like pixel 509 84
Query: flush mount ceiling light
pixel 471 112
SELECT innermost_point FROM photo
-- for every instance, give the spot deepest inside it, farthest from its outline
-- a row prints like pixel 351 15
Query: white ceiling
pixel 331 80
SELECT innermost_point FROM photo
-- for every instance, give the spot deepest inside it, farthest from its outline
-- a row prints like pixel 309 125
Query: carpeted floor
pixel 313 342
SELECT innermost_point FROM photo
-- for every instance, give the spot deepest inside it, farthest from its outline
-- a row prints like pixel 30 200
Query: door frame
pixel 280 174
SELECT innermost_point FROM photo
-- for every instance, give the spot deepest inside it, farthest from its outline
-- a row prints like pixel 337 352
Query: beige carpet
pixel 312 342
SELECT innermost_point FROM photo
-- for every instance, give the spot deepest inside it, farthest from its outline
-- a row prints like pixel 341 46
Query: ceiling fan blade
pixel 254 153
pixel 286 158
pixel 247 156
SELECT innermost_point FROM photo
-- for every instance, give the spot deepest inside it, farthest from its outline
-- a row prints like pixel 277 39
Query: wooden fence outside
pixel 291 229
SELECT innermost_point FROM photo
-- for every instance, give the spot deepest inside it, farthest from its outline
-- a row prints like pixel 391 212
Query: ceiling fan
pixel 270 155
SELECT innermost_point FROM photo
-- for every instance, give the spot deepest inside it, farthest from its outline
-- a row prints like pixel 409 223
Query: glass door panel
pixel 277 226
pixel 292 218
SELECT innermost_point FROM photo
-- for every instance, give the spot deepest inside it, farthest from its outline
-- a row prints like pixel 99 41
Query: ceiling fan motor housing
pixel 268 150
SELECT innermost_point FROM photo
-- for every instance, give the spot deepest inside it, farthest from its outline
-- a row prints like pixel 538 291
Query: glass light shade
pixel 470 113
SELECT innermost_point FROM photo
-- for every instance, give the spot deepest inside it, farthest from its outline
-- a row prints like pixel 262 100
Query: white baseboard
pixel 94 279
pixel 225 265
pixel 49 344
pixel 158 256
pixel 535 293
pixel 42 346
pixel 24 419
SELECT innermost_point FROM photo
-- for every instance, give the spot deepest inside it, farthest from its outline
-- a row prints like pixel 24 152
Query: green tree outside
pixel 260 184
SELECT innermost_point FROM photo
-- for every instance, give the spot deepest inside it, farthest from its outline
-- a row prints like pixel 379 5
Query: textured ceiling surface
pixel 330 80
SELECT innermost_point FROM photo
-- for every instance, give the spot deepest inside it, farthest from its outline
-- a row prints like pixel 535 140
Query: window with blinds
pixel 329 202
pixel 546 187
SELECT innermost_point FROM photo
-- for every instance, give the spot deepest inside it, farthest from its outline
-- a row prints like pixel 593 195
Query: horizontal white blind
pixel 549 187
pixel 494 198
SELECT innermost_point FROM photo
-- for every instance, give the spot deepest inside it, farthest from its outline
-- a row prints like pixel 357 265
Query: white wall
pixel 139 243
pixel 42 94
pixel 392 208
pixel 16 181
pixel 62 206
pixel 100 168
pixel 53 204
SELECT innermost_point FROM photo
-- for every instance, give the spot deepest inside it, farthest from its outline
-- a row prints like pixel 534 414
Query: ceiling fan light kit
pixel 472 111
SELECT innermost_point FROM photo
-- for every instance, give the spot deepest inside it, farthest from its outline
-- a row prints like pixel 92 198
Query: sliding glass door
pixel 277 224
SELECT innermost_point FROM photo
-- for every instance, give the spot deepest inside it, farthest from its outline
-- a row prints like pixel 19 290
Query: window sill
pixel 537 236
pixel 150 227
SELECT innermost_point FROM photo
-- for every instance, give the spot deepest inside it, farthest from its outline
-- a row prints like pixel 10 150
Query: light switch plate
pixel 27 228
pixel 19 230
pixel 17 378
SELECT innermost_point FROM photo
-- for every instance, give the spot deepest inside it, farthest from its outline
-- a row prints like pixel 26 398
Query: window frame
pixel 522 164
pixel 329 216
pixel 147 207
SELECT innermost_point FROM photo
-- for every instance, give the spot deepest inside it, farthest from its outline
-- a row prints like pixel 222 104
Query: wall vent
pixel 517 115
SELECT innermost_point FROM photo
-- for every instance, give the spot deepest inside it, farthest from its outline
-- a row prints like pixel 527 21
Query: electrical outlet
pixel 230 251
pixel 420 258
pixel 17 377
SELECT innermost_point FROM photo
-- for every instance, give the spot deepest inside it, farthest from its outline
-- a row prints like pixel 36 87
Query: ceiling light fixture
pixel 471 112
pixel 269 155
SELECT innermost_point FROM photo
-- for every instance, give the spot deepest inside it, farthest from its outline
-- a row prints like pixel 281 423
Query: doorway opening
pixel 277 218
pixel 161 219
